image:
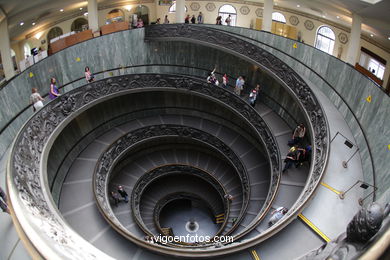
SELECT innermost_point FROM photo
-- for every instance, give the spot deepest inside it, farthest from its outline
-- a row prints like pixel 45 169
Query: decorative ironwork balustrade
pixel 27 171
pixel 302 93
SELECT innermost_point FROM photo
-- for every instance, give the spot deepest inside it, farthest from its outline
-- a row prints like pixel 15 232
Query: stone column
pixel 267 15
pixel 354 40
pixel 180 11
pixel 5 50
pixel 93 18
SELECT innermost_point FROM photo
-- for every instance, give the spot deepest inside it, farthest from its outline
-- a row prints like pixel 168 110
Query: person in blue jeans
pixel 3 201
pixel 291 158
pixel 123 193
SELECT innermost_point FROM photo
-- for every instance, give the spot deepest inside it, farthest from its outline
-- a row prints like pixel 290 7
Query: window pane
pixel 278 17
pixel 227 9
pixel 326 31
pixel 232 17
pixel 325 39
pixel 381 72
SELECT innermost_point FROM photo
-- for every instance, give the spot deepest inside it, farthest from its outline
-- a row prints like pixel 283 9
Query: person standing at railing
pixel 140 23
pixel 224 81
pixel 3 201
pixel 304 155
pixel 277 215
pixel 228 20
pixel 88 75
pixel 253 95
pixel 187 19
pixel 193 19
pixel 54 92
pixel 115 197
pixel 36 100
pixel 166 21
pixel 290 159
pixel 298 135
pixel 219 20
pixel 212 79
pixel 123 193
pixel 229 197
pixel 200 18
pixel 239 85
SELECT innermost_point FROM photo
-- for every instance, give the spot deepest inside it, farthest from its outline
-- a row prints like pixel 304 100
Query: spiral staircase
pixel 195 159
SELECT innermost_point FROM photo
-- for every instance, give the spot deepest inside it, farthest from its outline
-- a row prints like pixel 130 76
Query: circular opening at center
pixel 190 219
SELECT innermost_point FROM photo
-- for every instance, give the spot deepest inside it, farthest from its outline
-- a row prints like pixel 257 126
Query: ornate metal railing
pixel 153 175
pixel 302 93
pixel 123 145
pixel 27 169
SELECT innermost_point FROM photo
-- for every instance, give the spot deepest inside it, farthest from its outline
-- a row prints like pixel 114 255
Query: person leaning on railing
pixel 36 100
pixel 54 92
pixel 89 77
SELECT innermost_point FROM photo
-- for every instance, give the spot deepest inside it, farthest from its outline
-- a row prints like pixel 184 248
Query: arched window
pixel 278 17
pixel 142 12
pixel 78 25
pixel 172 8
pixel 325 39
pixel 53 33
pixel 26 50
pixel 115 15
pixel 225 11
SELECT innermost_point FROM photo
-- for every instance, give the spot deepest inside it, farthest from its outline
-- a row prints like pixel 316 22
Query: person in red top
pixel 253 95
pixel 88 75
pixel 140 23
pixel 224 81
pixel 187 19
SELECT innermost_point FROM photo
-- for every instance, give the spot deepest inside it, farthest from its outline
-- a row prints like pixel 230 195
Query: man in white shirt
pixel 277 215
pixel 239 85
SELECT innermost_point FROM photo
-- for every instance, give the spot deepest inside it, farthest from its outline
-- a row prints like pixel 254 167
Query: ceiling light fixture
pixel 86 13
pixel 388 38
pixel 128 8
pixel 371 35
pixel 21 23
pixel 338 17
pixel 33 23
pixel 298 6
pixel 61 10
pixel 323 16
pixel 81 8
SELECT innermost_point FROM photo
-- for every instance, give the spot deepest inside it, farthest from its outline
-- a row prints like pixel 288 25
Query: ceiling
pixel 376 17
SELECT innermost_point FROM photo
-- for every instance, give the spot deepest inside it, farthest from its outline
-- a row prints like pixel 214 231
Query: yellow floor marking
pixel 312 226
pixel 255 255
pixel 332 189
